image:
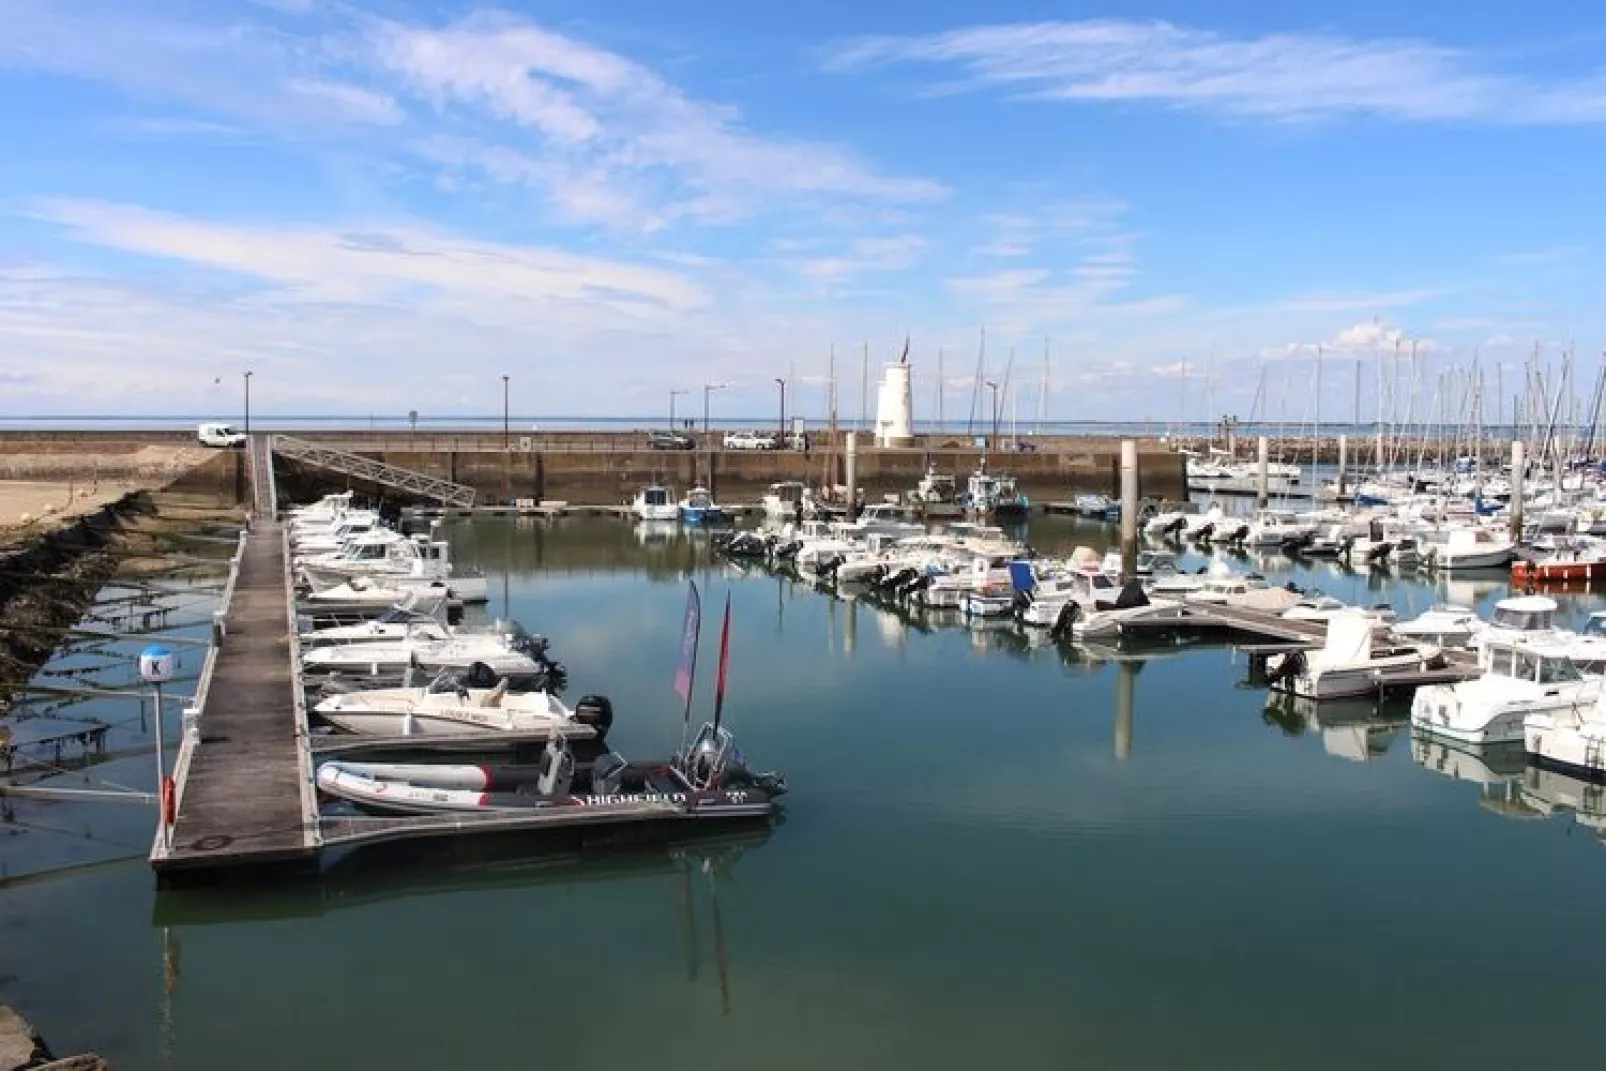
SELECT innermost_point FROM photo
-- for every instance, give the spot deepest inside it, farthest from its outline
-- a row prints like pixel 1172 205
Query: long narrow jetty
pixel 243 792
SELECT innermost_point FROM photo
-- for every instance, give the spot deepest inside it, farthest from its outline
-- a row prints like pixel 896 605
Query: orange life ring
pixel 169 801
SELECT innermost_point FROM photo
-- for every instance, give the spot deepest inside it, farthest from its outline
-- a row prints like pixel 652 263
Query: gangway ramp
pixel 360 467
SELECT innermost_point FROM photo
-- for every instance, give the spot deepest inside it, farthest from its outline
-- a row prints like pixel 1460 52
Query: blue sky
pixel 387 206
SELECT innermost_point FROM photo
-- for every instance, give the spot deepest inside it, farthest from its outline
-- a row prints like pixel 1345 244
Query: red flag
pixel 724 660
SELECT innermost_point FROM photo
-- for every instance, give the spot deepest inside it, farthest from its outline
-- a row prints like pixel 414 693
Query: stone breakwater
pixel 48 578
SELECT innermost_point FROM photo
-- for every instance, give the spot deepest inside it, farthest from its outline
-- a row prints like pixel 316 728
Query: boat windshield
pixel 1520 620
pixel 400 615
pixel 1595 626
pixel 1558 670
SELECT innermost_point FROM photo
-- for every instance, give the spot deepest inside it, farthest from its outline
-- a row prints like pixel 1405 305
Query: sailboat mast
pixel 1042 392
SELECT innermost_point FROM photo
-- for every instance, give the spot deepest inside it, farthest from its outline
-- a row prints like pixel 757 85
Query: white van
pixel 219 435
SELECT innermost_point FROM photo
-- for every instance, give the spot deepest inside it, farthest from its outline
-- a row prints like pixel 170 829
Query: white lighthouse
pixel 894 415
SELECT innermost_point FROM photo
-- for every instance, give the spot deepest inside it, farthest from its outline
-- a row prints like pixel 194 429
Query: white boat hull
pixel 1578 748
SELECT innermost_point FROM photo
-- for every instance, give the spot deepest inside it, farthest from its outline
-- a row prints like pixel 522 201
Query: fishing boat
pixel 1521 677
pixel 476 700
pixel 1349 663
pixel 698 507
pixel 655 503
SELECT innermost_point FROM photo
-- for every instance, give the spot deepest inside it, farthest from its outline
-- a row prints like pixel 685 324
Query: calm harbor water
pixel 988 858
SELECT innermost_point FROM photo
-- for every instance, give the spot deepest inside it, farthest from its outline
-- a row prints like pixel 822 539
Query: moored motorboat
pixel 479 700
pixel 709 781
pixel 508 651
pixel 1520 677
pixel 655 503
pixel 699 507
pixel 1349 663
pixel 1445 624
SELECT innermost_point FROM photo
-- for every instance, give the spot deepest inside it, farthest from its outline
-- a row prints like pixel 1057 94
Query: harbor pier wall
pixel 599 468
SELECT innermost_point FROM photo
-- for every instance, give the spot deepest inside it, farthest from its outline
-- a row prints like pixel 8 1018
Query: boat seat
pixel 493 698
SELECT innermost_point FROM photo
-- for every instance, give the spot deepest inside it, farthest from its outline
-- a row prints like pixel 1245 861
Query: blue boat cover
pixel 1020 574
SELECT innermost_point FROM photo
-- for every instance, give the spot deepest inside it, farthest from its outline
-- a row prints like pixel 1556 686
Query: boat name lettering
pixel 639 797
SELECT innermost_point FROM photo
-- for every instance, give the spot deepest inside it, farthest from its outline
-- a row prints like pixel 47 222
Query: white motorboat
pixel 1349 663
pixel 1521 677
pixel 454 702
pixel 402 621
pixel 788 500
pixel 1224 587
pixel 332 538
pixel 506 650
pixel 1276 528
pixel 1166 523
pixel 1523 616
pixel 1315 606
pixel 1471 548
pixel 365 593
pixel 881 519
pixel 1570 738
pixel 1445 624
pixel 655 503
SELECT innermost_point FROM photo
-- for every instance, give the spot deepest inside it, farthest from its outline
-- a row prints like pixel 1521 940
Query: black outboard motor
pixel 479 675
pixel 1067 617
pixel 595 711
pixel 1292 665
pixel 1175 526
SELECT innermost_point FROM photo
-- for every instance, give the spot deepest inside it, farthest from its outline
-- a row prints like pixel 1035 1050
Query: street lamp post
pixel 505 439
pixel 781 383
pixel 673 394
pixel 709 388
pixel 248 403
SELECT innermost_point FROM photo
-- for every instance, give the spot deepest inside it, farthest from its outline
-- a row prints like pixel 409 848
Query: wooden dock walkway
pixel 244 793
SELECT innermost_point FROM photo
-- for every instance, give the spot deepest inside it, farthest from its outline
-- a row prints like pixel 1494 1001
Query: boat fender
pixel 169 801
pixel 595 711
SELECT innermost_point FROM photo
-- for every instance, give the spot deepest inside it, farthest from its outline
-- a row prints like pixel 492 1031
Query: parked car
pixel 748 440
pixel 219 435
pixel 670 440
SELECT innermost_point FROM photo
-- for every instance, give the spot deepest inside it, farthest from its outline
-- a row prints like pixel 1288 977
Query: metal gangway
pixel 264 495
pixel 365 468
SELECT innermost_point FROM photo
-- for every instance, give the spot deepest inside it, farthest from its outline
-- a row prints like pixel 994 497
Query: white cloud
pixel 1279 76
pixel 374 263
pixel 868 254
pixel 351 100
pixel 1363 339
pixel 589 115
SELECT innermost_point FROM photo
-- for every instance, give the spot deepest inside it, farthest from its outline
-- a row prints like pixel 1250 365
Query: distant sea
pixel 525 423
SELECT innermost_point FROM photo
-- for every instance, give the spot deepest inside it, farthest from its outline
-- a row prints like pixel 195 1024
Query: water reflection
pixel 1359 730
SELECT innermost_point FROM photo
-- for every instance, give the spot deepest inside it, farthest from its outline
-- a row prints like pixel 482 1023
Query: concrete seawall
pixel 603 468
pixel 609 472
